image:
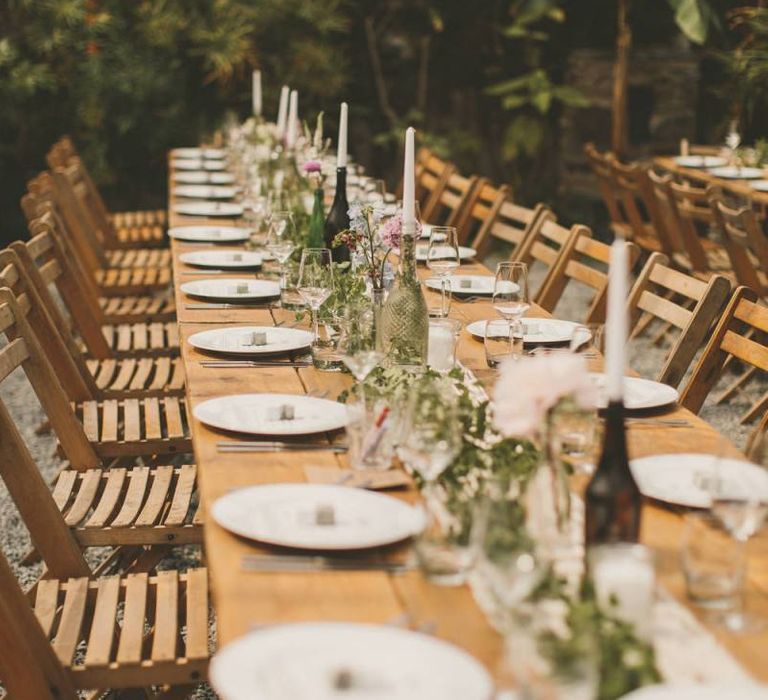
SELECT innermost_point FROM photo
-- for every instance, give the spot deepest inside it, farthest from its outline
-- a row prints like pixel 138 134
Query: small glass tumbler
pixel 502 341
pixel 371 434
pixel 443 339
pixel 325 349
pixel 713 563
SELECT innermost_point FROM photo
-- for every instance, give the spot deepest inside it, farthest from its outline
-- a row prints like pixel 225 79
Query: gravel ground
pixel 20 400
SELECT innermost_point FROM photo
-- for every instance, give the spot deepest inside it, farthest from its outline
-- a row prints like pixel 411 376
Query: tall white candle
pixel 256 94
pixel 282 112
pixel 616 321
pixel 409 182
pixel 293 118
pixel 341 151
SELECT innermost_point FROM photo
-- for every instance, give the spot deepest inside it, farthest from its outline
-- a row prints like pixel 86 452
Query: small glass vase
pixel 404 317
pixel 316 233
pixel 377 296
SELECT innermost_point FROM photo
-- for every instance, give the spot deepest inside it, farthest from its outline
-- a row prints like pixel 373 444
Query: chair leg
pixel 737 385
pixel 757 409
pixel 177 692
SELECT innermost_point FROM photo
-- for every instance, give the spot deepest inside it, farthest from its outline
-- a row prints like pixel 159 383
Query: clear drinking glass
pixel 573 436
pixel 315 282
pixel 443 339
pixel 510 290
pixel 255 213
pixel 357 344
pixel 281 239
pixel 502 340
pixel 370 433
pixel 375 191
pixel 442 260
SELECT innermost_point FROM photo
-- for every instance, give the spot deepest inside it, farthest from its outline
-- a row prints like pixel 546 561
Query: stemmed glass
pixel 510 293
pixel 357 345
pixel 281 240
pixel 741 505
pixel 442 259
pixel 315 280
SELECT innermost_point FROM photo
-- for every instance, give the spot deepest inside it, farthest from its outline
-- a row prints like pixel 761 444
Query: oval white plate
pixel 238 340
pixel 759 185
pixel 205 191
pixel 475 285
pixel 234 289
pixel 214 165
pixel 223 259
pixel 209 234
pixel 200 177
pixel 682 478
pixel 208 209
pixel 197 153
pixel 300 661
pixel 639 393
pixel 187 163
pixel 731 172
pixel 464 252
pixel 537 330
pixel 285 515
pixel 692 691
pixel 700 161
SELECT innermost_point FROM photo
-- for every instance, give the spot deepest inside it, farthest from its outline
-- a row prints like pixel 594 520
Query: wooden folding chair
pixel 430 183
pixel 510 223
pixel 740 334
pixel 600 163
pixel 100 506
pixel 585 262
pixel 68 638
pixel 129 229
pixel 481 210
pixel 121 327
pixel 687 304
pixel 107 375
pixel 455 197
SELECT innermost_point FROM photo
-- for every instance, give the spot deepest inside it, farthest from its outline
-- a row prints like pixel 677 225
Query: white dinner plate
pixel 241 340
pixel 682 478
pixel 695 691
pixel 205 191
pixel 474 285
pixel 303 661
pixel 197 153
pixel 536 330
pixel 287 515
pixel 464 253
pixel 208 209
pixel 639 393
pixel 214 165
pixel 759 185
pixel 187 163
pixel 731 172
pixel 224 259
pixel 201 177
pixel 700 161
pixel 209 234
pixel 234 289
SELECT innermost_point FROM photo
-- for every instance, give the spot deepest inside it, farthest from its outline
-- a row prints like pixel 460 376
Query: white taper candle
pixel 293 119
pixel 256 94
pixel 616 321
pixel 282 111
pixel 409 182
pixel 341 150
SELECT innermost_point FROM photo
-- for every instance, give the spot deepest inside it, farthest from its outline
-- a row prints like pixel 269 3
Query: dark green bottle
pixel 316 235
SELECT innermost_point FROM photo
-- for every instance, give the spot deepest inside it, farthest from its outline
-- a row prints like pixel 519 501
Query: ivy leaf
pixel 693 17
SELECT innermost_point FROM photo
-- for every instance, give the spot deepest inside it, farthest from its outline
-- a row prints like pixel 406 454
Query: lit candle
pixel 282 111
pixel 256 95
pixel 341 152
pixel 409 184
pixel 293 118
pixel 616 321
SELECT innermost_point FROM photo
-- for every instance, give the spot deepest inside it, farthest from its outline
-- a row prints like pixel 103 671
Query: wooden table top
pixel 243 600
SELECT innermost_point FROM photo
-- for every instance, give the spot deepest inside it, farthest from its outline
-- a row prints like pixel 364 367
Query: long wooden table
pixel 244 600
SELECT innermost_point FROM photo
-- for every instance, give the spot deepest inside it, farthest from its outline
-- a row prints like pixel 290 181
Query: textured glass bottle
pixel 404 324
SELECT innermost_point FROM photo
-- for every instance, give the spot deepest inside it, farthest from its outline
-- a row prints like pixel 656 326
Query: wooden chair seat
pixel 150 376
pixel 132 280
pixel 141 505
pixel 135 427
pixel 139 228
pixel 139 257
pixel 142 338
pixel 79 616
pixel 133 309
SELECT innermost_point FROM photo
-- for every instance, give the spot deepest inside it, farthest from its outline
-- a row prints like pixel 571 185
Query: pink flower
pixel 312 166
pixel 527 388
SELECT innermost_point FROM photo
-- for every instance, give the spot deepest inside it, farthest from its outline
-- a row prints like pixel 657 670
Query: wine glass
pixel 375 191
pixel 442 259
pixel 281 240
pixel 740 503
pixel 357 345
pixel 510 293
pixel 315 282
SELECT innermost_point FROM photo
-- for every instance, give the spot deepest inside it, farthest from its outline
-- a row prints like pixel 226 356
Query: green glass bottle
pixel 404 316
pixel 317 222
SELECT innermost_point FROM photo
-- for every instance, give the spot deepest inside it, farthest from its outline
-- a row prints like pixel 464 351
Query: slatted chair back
pixel 689 305
pixel 512 224
pixel 694 217
pixel 455 198
pixel 585 263
pixel 666 211
pixel 481 211
pixel 600 163
pixel 431 182
pixel 744 241
pixel 740 334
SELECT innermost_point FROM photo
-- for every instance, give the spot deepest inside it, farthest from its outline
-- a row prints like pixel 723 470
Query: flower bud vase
pixel 404 316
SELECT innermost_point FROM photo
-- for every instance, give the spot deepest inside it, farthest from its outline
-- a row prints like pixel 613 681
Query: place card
pixel 241 288
pixel 325 514
pixel 358 478
pixel 283 412
pixel 465 284
pixel 257 338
